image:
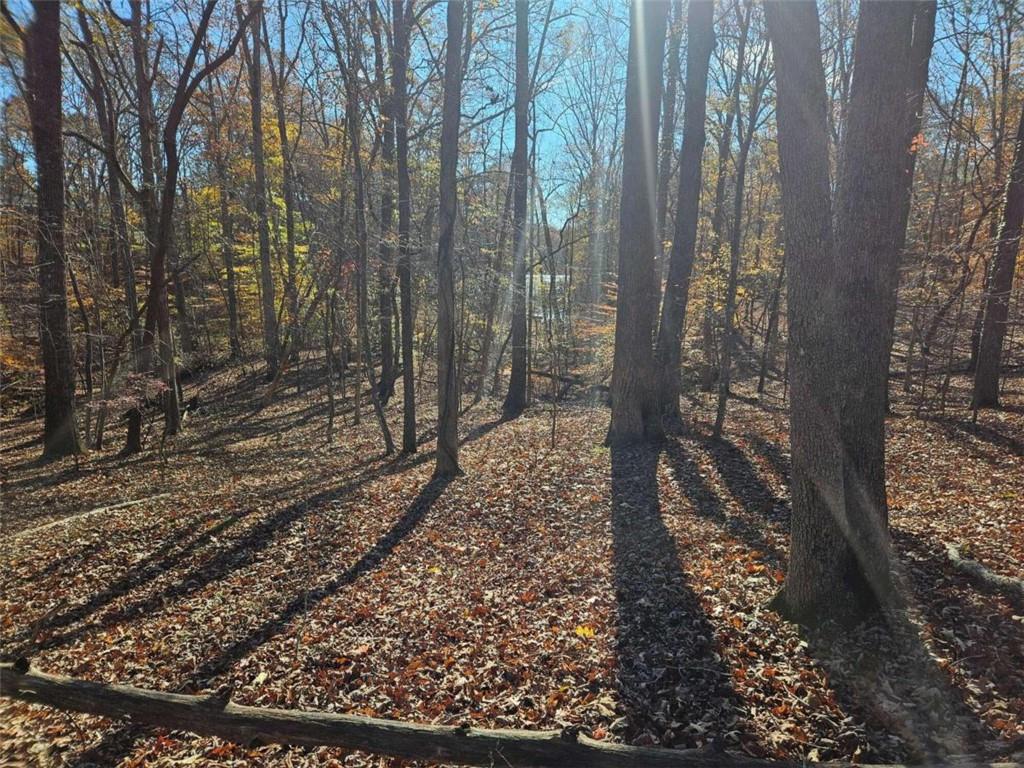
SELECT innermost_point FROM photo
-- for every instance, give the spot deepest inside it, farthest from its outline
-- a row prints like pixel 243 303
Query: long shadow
pixel 115 745
pixel 668 669
pixel 745 482
pixel 770 452
pixel 240 553
pixel 883 673
pixel 165 557
pixel 958 429
pixel 708 505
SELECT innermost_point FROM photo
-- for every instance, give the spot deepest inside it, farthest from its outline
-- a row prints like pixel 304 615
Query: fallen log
pixel 978 573
pixel 215 715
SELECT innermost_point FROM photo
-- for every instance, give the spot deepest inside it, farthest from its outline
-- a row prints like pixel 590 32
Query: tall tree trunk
pixel 271 342
pixel 515 400
pixel 400 103
pixel 746 137
pixel 43 81
pixel 700 42
pixel 819 553
pixel 1000 282
pixel 872 191
pixel 636 414
pixel 385 251
pixel 668 119
pixel 278 82
pixel 840 307
pixel 147 196
pixel 447 377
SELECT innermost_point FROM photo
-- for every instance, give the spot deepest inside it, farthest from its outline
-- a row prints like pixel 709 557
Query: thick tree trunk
pixel 819 554
pixel 636 414
pixel 515 400
pixel 700 36
pixel 43 81
pixel 271 342
pixel 872 192
pixel 1000 283
pixel 400 98
pixel 447 377
pixel 840 308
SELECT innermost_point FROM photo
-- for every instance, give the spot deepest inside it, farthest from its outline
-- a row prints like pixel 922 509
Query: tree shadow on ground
pixel 116 745
pixel 885 673
pixel 673 687
pixel 743 482
pixel 958 430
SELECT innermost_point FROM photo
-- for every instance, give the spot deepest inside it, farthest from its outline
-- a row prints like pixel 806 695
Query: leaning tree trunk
pixel 515 400
pixel 1000 282
pixel 447 377
pixel 636 414
pixel 43 81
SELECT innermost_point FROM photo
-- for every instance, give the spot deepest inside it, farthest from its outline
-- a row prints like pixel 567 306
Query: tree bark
pixel 278 82
pixel 819 554
pixel 636 415
pixel 668 119
pixel 1000 283
pixel 447 377
pixel 271 342
pixel 872 203
pixel 515 399
pixel 43 81
pixel 385 250
pixel 839 308
pixel 700 42
pixel 401 16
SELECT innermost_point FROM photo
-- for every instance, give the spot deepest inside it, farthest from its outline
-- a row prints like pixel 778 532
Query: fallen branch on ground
pixel 983 576
pixel 215 715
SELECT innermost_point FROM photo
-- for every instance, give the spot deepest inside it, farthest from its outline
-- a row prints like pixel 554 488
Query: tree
pixel 1000 282
pixel 402 15
pixel 271 342
pixel 700 36
pixel 42 90
pixel 636 412
pixel 745 130
pixel 447 377
pixel 841 289
pixel 515 400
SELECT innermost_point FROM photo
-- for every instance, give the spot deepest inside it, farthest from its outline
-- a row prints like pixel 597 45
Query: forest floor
pixel 558 582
